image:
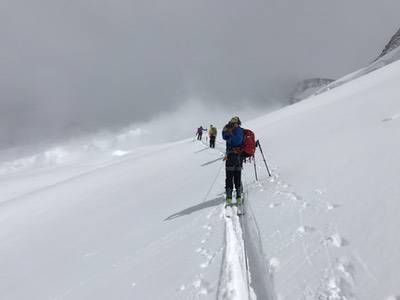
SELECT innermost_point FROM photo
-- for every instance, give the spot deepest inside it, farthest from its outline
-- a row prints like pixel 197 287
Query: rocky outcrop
pixel 393 44
pixel 308 87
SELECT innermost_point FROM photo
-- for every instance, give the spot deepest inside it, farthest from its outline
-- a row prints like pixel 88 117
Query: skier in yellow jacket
pixel 212 133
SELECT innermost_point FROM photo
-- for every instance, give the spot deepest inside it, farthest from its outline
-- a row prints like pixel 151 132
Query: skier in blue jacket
pixel 233 135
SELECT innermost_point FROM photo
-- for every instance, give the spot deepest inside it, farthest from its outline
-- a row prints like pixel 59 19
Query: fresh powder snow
pixel 149 223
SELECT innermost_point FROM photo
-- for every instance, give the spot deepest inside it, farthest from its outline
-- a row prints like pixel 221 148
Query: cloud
pixel 71 67
pixel 106 145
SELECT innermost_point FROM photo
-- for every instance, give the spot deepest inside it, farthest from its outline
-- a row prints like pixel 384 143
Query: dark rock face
pixel 393 44
pixel 308 87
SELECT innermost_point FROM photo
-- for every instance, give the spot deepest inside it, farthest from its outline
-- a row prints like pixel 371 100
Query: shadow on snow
pixel 212 161
pixel 201 150
pixel 203 205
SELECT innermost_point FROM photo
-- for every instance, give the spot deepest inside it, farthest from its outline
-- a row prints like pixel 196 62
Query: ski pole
pixel 262 153
pixel 255 167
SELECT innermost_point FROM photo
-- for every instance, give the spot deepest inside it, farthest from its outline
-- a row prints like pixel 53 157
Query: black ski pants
pixel 212 141
pixel 233 168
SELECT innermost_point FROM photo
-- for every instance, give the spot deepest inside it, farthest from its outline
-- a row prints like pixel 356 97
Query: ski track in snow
pixel 391 118
pixel 232 284
pixel 336 281
pixel 234 281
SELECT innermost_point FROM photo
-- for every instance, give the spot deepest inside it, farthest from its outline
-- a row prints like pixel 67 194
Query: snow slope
pixel 329 216
pixel 136 228
pixel 148 223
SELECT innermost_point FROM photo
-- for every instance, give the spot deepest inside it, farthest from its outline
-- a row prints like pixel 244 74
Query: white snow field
pixel 149 222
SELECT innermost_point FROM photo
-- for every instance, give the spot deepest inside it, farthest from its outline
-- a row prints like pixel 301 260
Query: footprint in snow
pixel 209 256
pixel 346 269
pixel 202 286
pixel 331 206
pixel 207 262
pixel 291 195
pixel 211 213
pixel 273 264
pixel 182 288
pixel 89 254
pixel 208 227
pixel 337 289
pixel 391 118
pixel 305 229
pixel 294 197
pixel 285 185
pixel 197 283
pixel 273 205
pixel 337 241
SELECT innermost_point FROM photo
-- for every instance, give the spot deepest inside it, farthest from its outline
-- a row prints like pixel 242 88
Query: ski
pixel 240 210
pixel 232 209
pixel 228 210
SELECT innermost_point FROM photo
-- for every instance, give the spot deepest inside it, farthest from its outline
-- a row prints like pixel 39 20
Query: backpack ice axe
pixel 255 167
pixel 262 153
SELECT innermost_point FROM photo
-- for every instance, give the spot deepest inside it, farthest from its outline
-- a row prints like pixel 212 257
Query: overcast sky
pixel 75 65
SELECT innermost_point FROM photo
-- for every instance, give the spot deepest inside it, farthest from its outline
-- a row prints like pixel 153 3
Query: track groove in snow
pixel 244 273
pixel 234 281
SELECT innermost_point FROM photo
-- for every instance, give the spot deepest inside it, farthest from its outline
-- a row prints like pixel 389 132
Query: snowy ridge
pixel 389 58
pixel 316 86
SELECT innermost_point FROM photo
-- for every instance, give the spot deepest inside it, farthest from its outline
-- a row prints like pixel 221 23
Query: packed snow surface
pixel 149 222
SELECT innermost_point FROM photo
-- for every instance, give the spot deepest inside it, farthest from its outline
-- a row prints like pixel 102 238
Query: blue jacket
pixel 233 139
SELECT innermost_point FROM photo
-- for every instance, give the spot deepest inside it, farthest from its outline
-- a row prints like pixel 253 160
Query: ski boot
pixel 228 198
pixel 239 192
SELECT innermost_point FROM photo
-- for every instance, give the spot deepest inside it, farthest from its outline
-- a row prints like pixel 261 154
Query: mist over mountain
pixel 308 87
pixel 72 67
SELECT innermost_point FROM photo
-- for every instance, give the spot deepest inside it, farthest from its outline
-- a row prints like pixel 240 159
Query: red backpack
pixel 248 147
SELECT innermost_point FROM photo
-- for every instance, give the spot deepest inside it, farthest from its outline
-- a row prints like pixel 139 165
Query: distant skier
pixel 212 133
pixel 233 134
pixel 200 132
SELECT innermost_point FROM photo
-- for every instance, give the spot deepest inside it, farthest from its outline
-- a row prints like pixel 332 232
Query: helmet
pixel 235 120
